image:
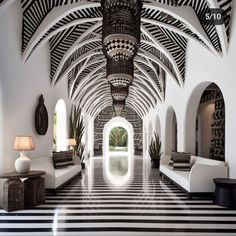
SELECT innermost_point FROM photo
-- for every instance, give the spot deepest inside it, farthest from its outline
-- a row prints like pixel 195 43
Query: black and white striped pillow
pixel 182 158
pixel 175 154
pixel 59 160
pixel 69 157
pixel 181 166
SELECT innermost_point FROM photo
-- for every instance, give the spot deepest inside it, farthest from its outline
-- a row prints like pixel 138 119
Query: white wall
pixel 21 86
pixel 205 113
pixel 1 122
pixel 90 132
pixel 202 68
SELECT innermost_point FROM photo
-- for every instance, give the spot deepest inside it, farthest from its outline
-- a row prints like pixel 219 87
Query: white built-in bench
pixel 200 178
pixel 55 178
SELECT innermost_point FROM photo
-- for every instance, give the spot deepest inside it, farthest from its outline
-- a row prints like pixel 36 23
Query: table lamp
pixel 23 144
pixel 72 143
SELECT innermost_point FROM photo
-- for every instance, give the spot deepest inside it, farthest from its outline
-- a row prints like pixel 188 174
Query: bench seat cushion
pixel 66 173
pixel 179 177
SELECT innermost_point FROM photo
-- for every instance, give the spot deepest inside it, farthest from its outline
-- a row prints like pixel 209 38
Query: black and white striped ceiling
pixel 73 30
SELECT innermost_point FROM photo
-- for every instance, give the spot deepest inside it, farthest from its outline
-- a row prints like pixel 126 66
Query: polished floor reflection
pixel 118 165
pixel 140 204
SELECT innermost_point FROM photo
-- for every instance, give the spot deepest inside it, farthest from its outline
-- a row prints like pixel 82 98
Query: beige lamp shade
pixel 71 142
pixel 23 143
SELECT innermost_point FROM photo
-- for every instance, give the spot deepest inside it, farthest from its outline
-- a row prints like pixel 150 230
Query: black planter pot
pixel 155 164
pixel 83 165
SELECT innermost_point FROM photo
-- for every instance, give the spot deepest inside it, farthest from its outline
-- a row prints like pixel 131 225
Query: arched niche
pixel 60 126
pixel 193 119
pixel 170 131
pixel 210 124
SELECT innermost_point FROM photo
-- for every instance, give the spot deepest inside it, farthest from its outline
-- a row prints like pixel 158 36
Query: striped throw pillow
pixel 175 154
pixel 59 160
pixel 181 166
pixel 69 157
pixel 183 158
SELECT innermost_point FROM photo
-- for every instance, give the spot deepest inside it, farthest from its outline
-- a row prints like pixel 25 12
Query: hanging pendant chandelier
pixel 120 41
pixel 120 73
pixel 119 93
pixel 121 28
pixel 118 107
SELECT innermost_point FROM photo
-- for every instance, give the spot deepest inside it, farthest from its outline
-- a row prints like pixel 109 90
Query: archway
pixel 210 124
pixel 120 158
pixel 118 122
pixel 118 139
pixel 171 131
pixel 192 114
pixel 60 126
pixel 190 117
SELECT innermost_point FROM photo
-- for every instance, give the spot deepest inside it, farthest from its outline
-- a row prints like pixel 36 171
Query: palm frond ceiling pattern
pixel 73 29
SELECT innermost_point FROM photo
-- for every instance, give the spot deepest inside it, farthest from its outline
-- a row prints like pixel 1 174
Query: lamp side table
pixel 18 195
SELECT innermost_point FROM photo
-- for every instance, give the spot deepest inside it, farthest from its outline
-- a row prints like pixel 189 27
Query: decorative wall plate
pixel 41 117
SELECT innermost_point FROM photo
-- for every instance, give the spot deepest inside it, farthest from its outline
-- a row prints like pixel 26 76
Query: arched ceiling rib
pixel 73 29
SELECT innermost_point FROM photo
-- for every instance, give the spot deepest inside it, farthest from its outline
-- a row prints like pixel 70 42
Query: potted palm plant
pixel 155 151
pixel 77 131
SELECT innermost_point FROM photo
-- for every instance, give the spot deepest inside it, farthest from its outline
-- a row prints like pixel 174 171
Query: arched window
pixel 60 127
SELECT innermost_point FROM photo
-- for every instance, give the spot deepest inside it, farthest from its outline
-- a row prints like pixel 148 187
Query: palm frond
pixel 77 127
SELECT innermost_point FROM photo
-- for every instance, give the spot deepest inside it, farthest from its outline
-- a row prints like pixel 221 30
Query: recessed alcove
pixel 171 138
pixel 210 124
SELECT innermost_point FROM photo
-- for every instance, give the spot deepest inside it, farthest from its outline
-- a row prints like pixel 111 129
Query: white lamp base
pixel 22 164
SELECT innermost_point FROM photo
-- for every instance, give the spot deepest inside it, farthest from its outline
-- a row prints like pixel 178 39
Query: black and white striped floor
pixel 144 205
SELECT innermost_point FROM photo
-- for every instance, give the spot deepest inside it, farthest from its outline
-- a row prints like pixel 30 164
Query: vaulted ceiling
pixel 73 30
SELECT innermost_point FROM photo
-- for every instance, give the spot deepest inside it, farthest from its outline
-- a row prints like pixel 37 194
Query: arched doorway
pixel 210 124
pixel 118 140
pixel 121 123
pixel 117 165
pixel 171 141
pixel 60 126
